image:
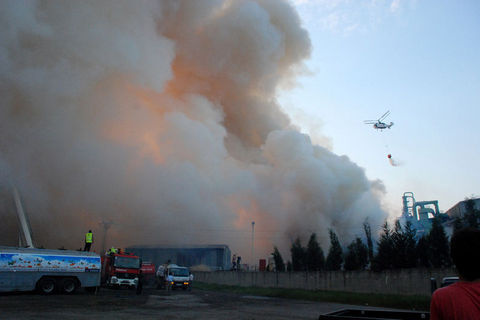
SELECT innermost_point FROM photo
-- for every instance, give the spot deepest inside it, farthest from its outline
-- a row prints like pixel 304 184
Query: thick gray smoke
pixel 161 116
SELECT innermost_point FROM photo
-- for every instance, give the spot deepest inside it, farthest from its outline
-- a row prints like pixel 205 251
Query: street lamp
pixel 106 225
pixel 253 232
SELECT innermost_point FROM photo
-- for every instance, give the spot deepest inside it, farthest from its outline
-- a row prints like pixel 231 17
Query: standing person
pixel 161 277
pixel 88 240
pixel 190 278
pixel 461 300
pixel 140 283
pixel 234 262
pixel 239 261
pixel 169 282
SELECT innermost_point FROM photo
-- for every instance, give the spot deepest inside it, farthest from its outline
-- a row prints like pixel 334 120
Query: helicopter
pixel 378 124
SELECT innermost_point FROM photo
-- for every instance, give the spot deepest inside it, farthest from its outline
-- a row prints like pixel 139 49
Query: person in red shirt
pixel 461 300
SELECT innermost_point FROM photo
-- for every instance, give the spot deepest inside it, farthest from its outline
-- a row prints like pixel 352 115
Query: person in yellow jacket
pixel 88 240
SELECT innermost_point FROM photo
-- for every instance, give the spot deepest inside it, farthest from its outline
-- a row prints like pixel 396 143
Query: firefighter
pixel 161 281
pixel 88 240
pixel 140 283
pixel 169 282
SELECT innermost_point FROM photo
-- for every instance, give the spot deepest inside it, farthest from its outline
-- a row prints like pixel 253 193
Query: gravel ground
pixel 158 304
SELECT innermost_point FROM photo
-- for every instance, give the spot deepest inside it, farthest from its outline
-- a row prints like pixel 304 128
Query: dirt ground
pixel 158 304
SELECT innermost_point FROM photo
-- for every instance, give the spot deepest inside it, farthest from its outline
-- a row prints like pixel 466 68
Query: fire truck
pixel 48 271
pixel 121 269
pixel 26 268
pixel 148 274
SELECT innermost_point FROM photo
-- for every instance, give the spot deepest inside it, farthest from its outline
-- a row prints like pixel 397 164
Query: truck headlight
pixel 114 280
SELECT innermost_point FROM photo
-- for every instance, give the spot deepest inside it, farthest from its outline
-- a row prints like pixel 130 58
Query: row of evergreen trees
pixel 396 248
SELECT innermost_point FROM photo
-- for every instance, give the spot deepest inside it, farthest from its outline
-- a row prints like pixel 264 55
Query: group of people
pixel 164 279
pixel 236 262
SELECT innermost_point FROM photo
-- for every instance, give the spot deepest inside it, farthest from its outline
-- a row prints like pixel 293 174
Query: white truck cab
pixel 179 277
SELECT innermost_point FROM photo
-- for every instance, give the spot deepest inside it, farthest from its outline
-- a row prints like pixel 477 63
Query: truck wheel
pixel 46 285
pixel 139 288
pixel 68 285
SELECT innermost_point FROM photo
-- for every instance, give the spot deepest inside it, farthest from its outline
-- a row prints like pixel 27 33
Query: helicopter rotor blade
pixel 370 121
pixel 384 116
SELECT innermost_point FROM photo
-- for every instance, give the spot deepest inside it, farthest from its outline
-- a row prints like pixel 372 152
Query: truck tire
pixel 68 285
pixel 139 288
pixel 46 285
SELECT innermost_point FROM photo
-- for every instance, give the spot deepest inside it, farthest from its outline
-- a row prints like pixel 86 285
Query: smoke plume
pixel 161 117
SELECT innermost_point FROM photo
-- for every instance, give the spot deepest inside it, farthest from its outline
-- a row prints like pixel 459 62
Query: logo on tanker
pixel 34 262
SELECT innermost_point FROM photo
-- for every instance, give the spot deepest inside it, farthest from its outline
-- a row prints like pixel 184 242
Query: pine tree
pixel 334 258
pixel 399 246
pixel 357 255
pixel 368 235
pixel 298 256
pixel 438 245
pixel 277 257
pixel 423 252
pixel 385 254
pixel 404 245
pixel 315 257
pixel 410 245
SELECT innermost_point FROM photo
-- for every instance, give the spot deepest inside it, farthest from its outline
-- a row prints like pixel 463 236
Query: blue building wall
pixel 216 257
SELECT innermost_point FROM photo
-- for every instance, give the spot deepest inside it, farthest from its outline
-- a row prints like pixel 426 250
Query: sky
pixel 417 59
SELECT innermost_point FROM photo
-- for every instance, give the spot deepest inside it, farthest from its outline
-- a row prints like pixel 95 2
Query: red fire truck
pixel 148 274
pixel 121 269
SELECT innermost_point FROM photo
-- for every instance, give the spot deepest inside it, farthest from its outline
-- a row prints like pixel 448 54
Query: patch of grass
pixel 410 302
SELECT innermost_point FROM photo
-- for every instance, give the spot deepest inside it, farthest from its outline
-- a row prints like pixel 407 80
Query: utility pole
pixel 253 250
pixel 106 225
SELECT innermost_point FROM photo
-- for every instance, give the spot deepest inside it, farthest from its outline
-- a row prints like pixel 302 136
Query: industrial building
pixel 421 213
pixel 215 257
pixel 459 210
